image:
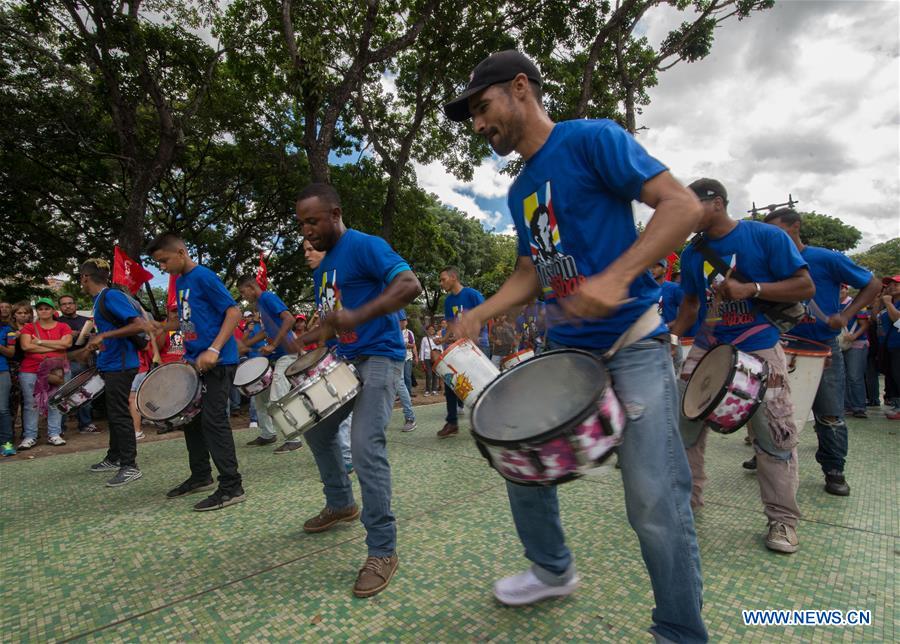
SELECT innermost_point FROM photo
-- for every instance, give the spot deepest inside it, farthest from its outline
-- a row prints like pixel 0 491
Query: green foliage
pixel 882 259
pixel 828 232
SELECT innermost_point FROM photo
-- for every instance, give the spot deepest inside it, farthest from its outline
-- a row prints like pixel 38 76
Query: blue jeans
pixel 371 415
pixel 407 375
pixel 6 433
pixel 253 417
pixel 657 483
pixel 344 439
pixel 855 366
pixel 828 408
pixel 405 400
pixel 30 412
pixel 452 416
pixel 83 414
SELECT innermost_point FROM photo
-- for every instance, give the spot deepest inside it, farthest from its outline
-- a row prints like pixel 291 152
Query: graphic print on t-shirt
pixel 727 313
pixel 556 270
pixel 188 329
pixel 330 300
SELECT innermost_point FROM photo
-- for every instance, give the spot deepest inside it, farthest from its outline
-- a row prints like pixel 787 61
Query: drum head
pixel 250 370
pixel 167 391
pixel 707 384
pixel 306 361
pixel 551 392
pixel 72 385
pixel 803 347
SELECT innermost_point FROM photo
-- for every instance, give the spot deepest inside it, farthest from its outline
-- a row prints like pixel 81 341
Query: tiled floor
pixel 88 563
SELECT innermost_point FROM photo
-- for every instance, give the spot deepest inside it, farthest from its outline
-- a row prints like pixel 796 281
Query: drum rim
pixel 260 376
pixel 824 352
pixel 58 395
pixel 450 348
pixel 326 352
pixel 137 394
pixel 590 410
pixel 714 402
pixel 513 355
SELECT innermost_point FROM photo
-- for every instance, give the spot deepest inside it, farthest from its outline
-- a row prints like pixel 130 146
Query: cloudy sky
pixel 802 99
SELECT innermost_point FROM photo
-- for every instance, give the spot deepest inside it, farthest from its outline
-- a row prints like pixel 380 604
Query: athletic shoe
pixel 860 413
pixel 105 465
pixel 409 426
pixel 836 484
pixel 56 441
pixel 349 468
pixel 782 538
pixel 259 441
pixel 8 449
pixel 328 518
pixel 427 393
pixel 449 429
pixel 189 487
pixel 89 429
pixel 139 435
pixel 27 443
pixel 375 575
pixel 219 499
pixel 125 475
pixel 749 464
pixel 892 416
pixel 287 447
pixel 526 588
pixel 253 425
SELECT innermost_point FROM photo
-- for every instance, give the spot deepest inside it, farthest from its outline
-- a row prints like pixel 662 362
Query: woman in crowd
pixel 6 352
pixel 20 314
pixel 428 351
pixel 43 340
pixel 5 313
pixel 855 365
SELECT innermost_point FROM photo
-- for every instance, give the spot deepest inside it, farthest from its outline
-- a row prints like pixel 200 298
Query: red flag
pixel 172 298
pixel 128 272
pixel 671 259
pixel 262 277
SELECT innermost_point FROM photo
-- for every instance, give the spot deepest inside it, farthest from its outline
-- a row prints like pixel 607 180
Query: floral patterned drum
pixel 725 389
pixel 550 420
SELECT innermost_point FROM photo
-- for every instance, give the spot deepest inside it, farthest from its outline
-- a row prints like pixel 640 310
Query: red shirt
pixel 32 361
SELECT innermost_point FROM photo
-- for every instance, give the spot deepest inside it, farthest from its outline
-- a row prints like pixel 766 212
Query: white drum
pixel 254 376
pixel 170 395
pixel 805 365
pixel 466 370
pixel 684 347
pixel 513 359
pixel 331 391
pixel 77 391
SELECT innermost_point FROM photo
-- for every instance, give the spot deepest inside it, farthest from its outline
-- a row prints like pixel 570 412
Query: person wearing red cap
pixel 831 272
pixel 889 328
pixel 579 249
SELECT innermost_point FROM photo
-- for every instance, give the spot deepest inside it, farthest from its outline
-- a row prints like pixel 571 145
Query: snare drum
pixel 328 392
pixel 77 391
pixel 567 424
pixel 170 395
pixel 513 359
pixel 466 370
pixel 254 376
pixel 310 364
pixel 725 389
pixel 805 365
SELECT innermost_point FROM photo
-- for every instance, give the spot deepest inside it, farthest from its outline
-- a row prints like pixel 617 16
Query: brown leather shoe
pixel 328 517
pixel 449 429
pixel 375 575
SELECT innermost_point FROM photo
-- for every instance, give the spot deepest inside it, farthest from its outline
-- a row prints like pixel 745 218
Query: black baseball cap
pixel 709 189
pixel 496 68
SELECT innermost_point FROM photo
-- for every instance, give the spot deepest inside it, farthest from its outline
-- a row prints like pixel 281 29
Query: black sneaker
pixel 190 486
pixel 219 499
pixel 125 475
pixel 287 447
pixel 105 465
pixel 836 484
pixel 749 464
pixel 259 440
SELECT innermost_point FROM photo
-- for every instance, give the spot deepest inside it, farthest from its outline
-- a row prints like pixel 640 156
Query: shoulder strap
pixel 104 311
pixel 700 243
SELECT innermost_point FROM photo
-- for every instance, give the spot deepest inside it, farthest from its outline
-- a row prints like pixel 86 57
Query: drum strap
pixel 640 329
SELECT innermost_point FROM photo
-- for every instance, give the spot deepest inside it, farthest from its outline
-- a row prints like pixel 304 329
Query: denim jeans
pixel 828 409
pixel 657 483
pixel 254 417
pixel 431 378
pixel 6 433
pixel 30 412
pixel 83 414
pixel 371 414
pixel 344 439
pixel 452 405
pixel 405 400
pixel 407 375
pixel 855 366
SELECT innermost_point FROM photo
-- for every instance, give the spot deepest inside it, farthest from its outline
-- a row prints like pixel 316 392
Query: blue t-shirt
pixel 252 330
pixel 270 308
pixel 891 334
pixel 761 253
pixel 356 271
pixel 465 300
pixel 5 330
pixel 828 269
pixel 669 301
pixel 571 205
pixel 119 354
pixel 202 303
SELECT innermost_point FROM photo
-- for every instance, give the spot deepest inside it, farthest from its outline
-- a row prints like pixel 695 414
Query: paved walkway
pixel 82 562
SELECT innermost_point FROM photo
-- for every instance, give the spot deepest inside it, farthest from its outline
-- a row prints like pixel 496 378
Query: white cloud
pixel 488 183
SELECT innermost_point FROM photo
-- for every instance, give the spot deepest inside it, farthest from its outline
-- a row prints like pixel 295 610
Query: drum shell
pixel 297 376
pixel 315 399
pixel 179 417
pixel 466 370
pixel 516 358
pixel 258 384
pixel 684 347
pixel 91 387
pixel 804 368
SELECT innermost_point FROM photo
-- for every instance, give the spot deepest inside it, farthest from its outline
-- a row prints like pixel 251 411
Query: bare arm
pixel 30 345
pixel 796 288
pixel 687 314
pixel 863 298
pixel 287 323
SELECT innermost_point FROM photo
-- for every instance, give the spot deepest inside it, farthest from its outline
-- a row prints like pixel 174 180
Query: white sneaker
pixel 139 435
pixel 526 588
pixel 27 443
pixel 253 425
pixel 56 440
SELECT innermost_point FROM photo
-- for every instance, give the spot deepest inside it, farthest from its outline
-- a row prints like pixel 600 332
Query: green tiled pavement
pixel 90 563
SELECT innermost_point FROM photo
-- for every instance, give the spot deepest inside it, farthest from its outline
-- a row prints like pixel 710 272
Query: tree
pixel 882 259
pixel 828 232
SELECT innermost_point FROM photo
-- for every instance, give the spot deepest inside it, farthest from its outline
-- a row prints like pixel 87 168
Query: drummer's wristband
pixel 214 350
pixel 758 289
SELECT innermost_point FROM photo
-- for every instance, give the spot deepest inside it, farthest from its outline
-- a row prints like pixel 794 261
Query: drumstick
pixel 87 328
pixel 154 349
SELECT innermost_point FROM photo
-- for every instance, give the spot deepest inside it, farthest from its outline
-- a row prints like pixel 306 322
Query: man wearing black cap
pixel 579 249
pixel 776 272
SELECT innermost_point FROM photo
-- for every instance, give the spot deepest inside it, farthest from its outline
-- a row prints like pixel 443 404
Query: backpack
pixel 140 340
